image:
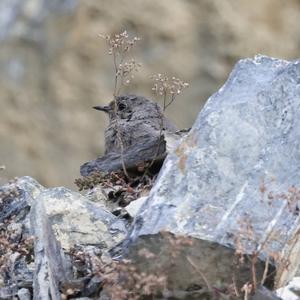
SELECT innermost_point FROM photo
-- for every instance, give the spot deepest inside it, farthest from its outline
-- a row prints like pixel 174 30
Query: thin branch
pixel 116 75
pixel 197 270
pixel 235 286
pixel 171 101
pixel 117 89
pixel 266 270
pixel 253 269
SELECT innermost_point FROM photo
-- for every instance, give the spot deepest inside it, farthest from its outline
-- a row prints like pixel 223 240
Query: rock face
pixel 57 221
pixel 232 184
pixel 75 220
pixel 54 68
pixel 291 291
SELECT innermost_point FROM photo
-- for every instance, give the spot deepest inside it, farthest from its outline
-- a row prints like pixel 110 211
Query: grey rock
pixel 263 293
pixel 74 218
pixel 134 206
pixel 24 294
pixel 172 139
pixel 100 196
pixel 22 270
pixel 291 291
pixel 104 296
pixel 30 187
pixel 18 205
pixel 94 286
pixel 51 266
pixel 15 231
pixel 79 221
pixel 242 149
pixel 8 292
pixel 58 219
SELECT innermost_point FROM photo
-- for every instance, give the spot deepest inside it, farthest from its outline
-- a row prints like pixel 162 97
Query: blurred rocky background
pixel 54 67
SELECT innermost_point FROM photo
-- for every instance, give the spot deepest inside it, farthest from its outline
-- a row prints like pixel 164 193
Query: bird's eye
pixel 121 106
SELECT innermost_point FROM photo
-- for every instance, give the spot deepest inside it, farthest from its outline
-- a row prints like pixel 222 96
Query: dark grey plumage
pixel 138 121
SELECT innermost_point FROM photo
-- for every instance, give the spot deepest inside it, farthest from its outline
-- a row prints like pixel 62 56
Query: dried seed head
pixel 119 43
pixel 165 86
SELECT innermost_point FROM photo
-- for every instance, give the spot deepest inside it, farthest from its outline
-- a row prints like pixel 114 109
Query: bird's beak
pixel 103 108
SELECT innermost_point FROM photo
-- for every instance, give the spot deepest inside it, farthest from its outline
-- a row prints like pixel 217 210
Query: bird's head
pixel 130 106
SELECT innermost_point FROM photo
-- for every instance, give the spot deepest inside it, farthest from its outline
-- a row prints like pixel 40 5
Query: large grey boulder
pixel 60 220
pixel 57 220
pixel 76 220
pixel 231 184
pixel 16 199
pixel 291 291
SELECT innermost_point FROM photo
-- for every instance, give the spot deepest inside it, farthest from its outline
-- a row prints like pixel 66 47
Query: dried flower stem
pixel 266 270
pixel 197 270
pixel 119 46
pixel 168 89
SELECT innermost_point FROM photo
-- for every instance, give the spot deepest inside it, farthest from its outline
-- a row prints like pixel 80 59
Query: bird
pixel 136 119
pixel 137 132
